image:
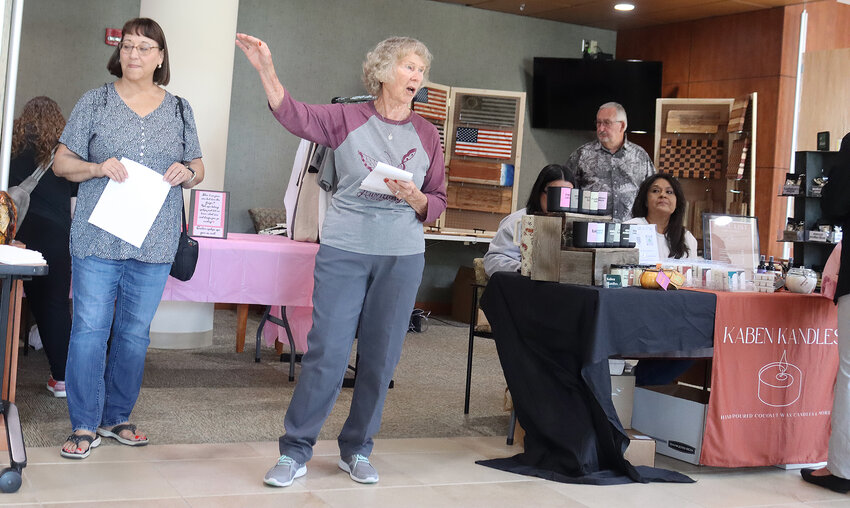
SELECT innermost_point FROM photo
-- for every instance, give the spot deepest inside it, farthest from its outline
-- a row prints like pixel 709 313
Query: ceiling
pixel 601 13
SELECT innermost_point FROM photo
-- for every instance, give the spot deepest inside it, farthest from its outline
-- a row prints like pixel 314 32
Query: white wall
pixel 201 58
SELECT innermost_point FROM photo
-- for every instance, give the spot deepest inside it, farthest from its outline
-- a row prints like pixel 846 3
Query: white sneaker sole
pixel 344 466
pixel 59 394
pixel 275 483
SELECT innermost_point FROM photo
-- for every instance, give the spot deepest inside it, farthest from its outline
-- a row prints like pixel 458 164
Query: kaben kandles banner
pixel 775 360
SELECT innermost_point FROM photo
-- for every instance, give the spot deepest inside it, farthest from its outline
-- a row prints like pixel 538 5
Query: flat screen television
pixel 567 92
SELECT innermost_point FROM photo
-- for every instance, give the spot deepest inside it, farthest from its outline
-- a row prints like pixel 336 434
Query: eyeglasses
pixel 606 123
pixel 144 49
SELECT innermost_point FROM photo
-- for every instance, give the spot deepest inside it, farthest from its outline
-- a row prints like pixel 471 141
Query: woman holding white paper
pixel 370 263
pixel 116 285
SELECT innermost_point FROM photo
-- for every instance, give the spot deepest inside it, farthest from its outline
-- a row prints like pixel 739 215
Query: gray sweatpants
pixel 379 293
pixel 838 461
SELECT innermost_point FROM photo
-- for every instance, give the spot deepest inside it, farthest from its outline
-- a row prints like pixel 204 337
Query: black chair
pixel 481 330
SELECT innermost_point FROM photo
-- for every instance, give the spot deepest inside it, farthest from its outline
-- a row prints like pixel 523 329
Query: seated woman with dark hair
pixel 660 201
pixel 503 254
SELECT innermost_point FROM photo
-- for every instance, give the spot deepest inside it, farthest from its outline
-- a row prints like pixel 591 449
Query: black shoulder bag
pixel 186 257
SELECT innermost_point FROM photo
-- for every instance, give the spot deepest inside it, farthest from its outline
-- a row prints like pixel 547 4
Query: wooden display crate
pixel 481 132
pixel 479 198
pixel 588 266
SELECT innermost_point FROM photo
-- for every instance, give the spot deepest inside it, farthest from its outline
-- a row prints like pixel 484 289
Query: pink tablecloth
pixel 258 269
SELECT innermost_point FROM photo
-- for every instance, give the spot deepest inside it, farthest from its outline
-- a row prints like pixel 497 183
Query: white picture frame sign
pixel 208 213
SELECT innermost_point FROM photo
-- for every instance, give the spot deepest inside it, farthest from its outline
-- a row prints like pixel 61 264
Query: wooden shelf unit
pixel 710 146
pixel 481 132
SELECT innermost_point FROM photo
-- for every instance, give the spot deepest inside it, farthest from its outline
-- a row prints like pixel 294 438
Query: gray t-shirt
pixel 619 173
pixel 103 126
pixel 361 221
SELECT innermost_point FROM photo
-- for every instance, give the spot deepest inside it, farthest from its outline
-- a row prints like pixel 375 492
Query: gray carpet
pixel 215 395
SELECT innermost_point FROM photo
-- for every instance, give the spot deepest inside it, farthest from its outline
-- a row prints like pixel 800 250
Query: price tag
pixel 663 280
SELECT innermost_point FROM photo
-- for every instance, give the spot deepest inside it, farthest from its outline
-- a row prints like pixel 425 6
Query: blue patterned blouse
pixel 103 126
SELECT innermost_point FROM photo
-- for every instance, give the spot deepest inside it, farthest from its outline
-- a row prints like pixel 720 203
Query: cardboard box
pixel 623 396
pixel 462 294
pixel 519 435
pixel 641 450
pixel 673 415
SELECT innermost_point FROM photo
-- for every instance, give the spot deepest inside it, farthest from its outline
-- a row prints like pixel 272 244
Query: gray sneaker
pixel 284 472
pixel 359 468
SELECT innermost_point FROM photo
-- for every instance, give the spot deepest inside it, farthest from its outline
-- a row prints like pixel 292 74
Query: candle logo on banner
pixel 780 383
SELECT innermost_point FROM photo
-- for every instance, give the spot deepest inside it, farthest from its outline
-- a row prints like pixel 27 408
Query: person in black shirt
pixel 836 207
pixel 46 228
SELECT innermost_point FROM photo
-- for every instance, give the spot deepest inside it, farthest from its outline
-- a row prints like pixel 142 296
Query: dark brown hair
pixel 675 233
pixel 39 127
pixel 547 175
pixel 148 28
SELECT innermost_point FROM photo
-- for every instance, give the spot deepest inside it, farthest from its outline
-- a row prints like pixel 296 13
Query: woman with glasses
pixel 117 286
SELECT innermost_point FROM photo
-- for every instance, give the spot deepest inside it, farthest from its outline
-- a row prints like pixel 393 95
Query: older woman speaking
pixel 370 263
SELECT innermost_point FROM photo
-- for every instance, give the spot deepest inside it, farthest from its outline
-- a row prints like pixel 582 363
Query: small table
pixel 10 308
pixel 249 269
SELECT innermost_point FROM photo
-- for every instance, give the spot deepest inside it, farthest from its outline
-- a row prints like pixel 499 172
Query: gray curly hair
pixel 379 63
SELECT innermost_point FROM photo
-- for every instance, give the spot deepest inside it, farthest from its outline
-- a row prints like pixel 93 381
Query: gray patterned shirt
pixel 619 173
pixel 103 126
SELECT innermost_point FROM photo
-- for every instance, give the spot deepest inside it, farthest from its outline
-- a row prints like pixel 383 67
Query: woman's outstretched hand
pixel 257 52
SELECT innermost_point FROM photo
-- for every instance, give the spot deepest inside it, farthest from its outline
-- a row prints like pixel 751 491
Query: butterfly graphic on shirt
pixel 370 162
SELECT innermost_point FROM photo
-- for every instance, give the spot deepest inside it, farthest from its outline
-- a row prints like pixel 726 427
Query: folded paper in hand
pixel 374 181
pixel 10 255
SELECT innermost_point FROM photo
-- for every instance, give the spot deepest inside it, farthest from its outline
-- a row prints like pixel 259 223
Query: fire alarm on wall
pixel 113 36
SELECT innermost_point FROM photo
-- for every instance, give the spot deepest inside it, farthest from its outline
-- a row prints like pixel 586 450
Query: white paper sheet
pixel 646 241
pixel 11 255
pixel 374 181
pixel 128 209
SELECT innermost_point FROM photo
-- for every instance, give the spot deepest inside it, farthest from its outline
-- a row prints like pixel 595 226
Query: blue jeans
pixel 121 297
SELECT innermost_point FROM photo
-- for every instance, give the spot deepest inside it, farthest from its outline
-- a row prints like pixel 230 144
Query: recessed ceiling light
pixel 624 7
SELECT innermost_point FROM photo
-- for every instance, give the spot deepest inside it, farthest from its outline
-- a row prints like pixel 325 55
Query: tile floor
pixel 414 472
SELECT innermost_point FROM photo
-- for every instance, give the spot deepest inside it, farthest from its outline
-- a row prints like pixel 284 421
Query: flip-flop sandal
pixel 93 441
pixel 115 433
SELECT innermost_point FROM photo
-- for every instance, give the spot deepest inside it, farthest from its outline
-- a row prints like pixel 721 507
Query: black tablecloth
pixel 554 341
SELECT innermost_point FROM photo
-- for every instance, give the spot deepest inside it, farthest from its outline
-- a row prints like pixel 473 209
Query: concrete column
pixel 200 36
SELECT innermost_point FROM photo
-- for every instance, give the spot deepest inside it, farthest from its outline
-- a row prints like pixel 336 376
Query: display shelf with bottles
pixel 814 236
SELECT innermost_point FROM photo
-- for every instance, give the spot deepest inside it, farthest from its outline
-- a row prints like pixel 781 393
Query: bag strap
pixel 36 175
pixel 184 227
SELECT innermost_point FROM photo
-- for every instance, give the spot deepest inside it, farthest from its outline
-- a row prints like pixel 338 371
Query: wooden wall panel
pixel 825 99
pixel 832 25
pixel 790 40
pixel 784 123
pixel 669 44
pixel 768 93
pixel 737 46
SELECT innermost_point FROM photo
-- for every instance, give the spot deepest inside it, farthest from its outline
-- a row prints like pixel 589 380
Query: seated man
pixel 503 254
pixel 612 163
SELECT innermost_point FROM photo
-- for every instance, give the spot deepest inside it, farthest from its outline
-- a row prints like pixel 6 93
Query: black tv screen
pixel 567 92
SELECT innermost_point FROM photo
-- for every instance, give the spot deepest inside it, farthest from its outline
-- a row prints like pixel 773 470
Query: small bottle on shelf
pixel 761 268
pixel 771 268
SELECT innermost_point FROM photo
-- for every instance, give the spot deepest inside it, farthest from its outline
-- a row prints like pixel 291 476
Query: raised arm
pixel 260 56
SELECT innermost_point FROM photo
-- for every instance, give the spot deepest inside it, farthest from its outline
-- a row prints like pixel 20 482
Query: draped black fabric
pixel 554 341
